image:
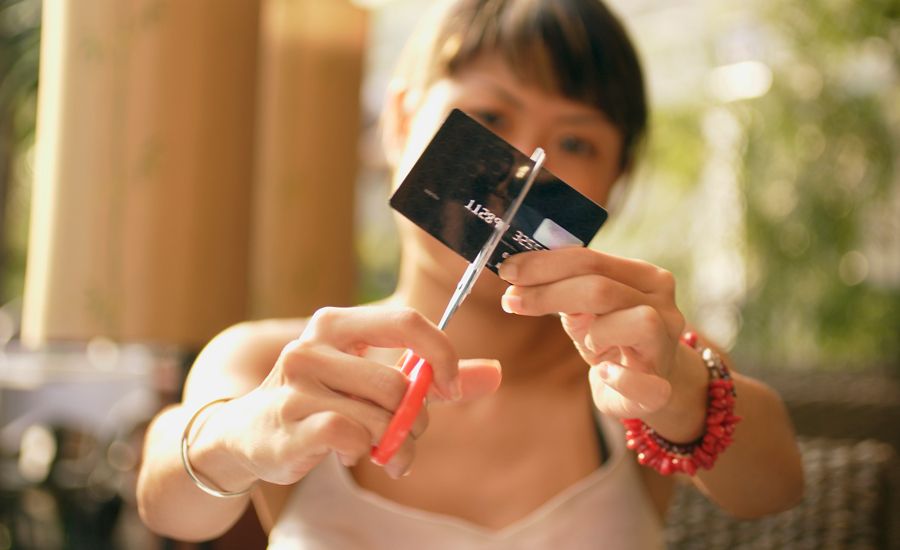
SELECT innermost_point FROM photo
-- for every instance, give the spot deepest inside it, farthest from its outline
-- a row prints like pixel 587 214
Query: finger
pixel 611 403
pixel 326 431
pixel 420 425
pixel 648 391
pixel 353 329
pixel 399 465
pixel 581 294
pixel 641 328
pixel 546 266
pixel 376 419
pixel 373 418
pixel 478 377
pixel 354 376
pixel 577 326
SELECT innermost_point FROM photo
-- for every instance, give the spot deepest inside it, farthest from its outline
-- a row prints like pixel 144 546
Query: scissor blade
pixel 473 271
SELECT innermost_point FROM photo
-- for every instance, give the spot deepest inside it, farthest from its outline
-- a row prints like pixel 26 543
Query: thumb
pixel 478 377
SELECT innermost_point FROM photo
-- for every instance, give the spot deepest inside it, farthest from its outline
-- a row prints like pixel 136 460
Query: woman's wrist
pixel 683 417
pixel 211 455
pixel 667 456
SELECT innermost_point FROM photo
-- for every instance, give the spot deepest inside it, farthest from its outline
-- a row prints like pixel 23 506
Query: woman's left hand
pixel 619 312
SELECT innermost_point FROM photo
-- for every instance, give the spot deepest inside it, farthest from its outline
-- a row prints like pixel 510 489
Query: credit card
pixel 468 176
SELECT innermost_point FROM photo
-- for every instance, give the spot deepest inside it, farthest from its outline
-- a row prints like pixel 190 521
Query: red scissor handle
pixel 420 375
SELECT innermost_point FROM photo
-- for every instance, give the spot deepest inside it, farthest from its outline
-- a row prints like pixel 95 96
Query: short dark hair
pixel 577 48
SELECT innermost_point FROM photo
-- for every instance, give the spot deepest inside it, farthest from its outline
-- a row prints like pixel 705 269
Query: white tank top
pixel 609 508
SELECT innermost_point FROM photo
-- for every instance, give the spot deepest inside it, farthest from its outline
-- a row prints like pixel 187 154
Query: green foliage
pixel 643 223
pixel 19 56
pixel 818 175
pixel 683 164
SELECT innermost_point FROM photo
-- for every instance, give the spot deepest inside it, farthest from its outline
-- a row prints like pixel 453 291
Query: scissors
pixel 417 369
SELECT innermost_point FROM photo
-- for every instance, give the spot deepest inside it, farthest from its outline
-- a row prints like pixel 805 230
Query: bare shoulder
pixel 239 358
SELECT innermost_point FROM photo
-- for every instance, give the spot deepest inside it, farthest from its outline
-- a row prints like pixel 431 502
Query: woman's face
pixel 583 148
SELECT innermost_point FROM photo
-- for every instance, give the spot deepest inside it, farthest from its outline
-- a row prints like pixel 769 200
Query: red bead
pixel 689 338
pixel 717 431
pixel 665 466
pixel 688 466
pixel 703 459
pixel 648 454
pixel 666 457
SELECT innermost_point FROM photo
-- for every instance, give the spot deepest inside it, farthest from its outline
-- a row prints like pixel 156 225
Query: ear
pixel 396 121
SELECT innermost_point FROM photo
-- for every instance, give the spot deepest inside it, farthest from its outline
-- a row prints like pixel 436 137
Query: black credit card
pixel 467 177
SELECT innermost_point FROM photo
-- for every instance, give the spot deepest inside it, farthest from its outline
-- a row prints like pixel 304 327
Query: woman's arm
pixel 622 317
pixel 232 364
pixel 301 392
pixel 760 473
pixel 297 398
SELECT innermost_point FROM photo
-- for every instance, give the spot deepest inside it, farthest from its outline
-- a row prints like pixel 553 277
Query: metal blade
pixel 473 271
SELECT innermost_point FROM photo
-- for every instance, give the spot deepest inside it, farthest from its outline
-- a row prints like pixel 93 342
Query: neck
pixel 526 346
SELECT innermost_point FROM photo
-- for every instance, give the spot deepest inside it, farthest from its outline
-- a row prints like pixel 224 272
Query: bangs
pixel 541 45
pixel 573 48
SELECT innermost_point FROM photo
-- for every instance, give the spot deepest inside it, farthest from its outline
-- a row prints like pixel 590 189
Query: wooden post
pixel 310 75
pixel 140 216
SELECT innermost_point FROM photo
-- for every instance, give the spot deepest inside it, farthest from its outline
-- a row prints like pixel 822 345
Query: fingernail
pixel 394 471
pixel 589 343
pixel 456 389
pixel 511 304
pixel 508 271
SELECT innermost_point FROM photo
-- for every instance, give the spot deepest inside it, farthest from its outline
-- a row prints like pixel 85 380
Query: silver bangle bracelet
pixel 185 448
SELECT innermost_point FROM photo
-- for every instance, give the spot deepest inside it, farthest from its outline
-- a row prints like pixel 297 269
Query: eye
pixel 491 119
pixel 577 146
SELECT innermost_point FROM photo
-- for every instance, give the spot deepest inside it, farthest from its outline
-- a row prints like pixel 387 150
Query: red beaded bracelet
pixel 667 457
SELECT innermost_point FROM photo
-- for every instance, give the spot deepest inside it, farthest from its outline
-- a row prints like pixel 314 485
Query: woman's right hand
pixel 324 395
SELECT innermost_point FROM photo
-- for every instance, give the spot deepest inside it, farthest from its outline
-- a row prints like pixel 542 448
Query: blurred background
pixel 167 168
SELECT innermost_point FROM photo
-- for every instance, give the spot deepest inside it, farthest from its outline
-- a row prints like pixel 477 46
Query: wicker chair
pixel 850 503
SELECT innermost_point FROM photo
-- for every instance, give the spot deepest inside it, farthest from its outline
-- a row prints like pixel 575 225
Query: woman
pixel 538 460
